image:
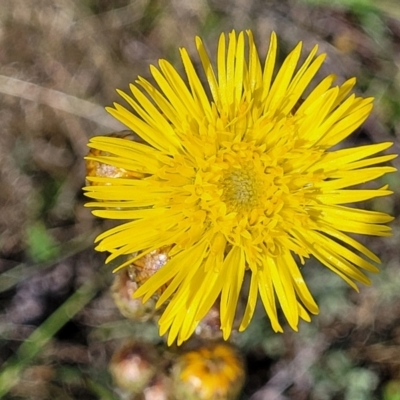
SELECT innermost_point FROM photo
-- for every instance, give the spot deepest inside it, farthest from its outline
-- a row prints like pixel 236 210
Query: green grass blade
pixel 12 369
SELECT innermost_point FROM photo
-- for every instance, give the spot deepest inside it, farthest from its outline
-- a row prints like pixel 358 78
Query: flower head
pixel 238 178
pixel 210 372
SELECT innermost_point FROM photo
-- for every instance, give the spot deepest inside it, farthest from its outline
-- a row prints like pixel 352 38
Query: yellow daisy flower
pixel 238 178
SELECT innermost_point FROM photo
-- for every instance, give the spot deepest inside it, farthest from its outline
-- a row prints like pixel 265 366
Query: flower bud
pixel 96 168
pixel 146 266
pixel 122 292
pixel 133 366
pixel 158 389
pixel 214 371
pixel 209 328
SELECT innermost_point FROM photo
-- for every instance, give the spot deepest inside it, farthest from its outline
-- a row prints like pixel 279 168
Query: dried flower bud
pixel 96 168
pixel 158 389
pixel 212 372
pixel 210 326
pixel 146 266
pixel 133 366
pixel 122 292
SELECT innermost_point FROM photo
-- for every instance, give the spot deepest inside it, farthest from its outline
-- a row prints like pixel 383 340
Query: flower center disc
pixel 240 190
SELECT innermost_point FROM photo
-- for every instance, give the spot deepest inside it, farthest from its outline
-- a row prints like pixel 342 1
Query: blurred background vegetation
pixel 60 62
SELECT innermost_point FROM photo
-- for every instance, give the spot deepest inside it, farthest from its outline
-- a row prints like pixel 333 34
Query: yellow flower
pixel 210 372
pixel 238 178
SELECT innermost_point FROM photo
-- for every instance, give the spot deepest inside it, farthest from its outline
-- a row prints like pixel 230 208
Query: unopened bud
pixel 214 371
pixel 146 266
pixel 158 389
pixel 122 292
pixel 133 366
pixel 96 168
pixel 209 327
